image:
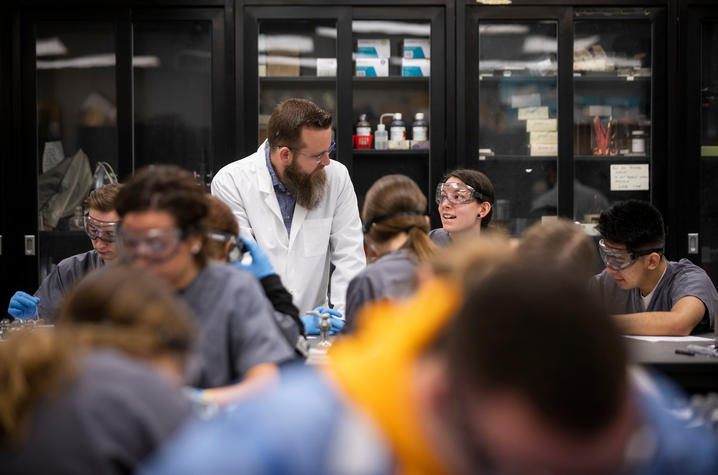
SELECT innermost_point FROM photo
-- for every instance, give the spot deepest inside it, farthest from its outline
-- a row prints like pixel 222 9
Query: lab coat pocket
pixel 316 236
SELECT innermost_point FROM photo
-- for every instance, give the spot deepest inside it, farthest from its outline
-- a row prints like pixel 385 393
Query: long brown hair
pixel 395 204
pixel 115 307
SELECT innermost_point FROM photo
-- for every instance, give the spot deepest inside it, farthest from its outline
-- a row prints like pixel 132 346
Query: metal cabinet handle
pixel 29 245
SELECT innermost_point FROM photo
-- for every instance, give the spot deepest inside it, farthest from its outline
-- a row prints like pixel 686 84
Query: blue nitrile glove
pixel 23 306
pixel 260 266
pixel 311 322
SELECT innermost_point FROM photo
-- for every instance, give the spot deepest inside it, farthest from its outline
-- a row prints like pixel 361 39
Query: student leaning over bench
pixel 647 293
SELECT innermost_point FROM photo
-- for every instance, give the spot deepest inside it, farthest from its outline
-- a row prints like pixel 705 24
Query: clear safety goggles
pixel 155 245
pixel 457 193
pixel 103 230
pixel 619 259
pixel 236 250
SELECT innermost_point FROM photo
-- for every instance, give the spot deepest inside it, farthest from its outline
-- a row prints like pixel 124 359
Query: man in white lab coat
pixel 299 206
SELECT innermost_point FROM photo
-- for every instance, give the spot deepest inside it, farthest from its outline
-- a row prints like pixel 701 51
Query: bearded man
pixel 300 207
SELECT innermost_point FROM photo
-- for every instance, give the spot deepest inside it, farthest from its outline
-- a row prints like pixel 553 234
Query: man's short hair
pixel 103 198
pixel 538 333
pixel 637 224
pixel 288 118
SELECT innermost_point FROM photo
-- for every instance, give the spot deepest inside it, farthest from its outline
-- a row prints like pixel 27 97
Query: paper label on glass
pixel 525 100
pixel 634 177
pixel 541 125
pixel 544 149
pixel 543 137
pixel 526 113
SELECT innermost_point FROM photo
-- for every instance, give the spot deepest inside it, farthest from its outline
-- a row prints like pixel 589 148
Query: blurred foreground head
pixel 537 374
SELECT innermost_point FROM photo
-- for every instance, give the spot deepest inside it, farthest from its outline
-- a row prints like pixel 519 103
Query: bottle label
pixel 363 130
pixel 419 133
pixel 398 133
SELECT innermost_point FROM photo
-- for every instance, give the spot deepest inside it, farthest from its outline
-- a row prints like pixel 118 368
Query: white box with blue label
pixel 415 67
pixel 373 48
pixel 372 67
pixel 417 48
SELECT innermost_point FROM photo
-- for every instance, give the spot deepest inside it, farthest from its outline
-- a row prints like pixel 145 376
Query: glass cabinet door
pixel 172 94
pixel 518 118
pixel 76 129
pixel 612 132
pixel 391 85
pixel 708 172
pixel 296 58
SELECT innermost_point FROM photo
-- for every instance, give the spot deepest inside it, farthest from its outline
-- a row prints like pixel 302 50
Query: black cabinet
pixel 115 88
pixel 353 60
pixel 565 107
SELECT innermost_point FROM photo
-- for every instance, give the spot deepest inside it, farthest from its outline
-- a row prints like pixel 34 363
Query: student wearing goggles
pixel 647 293
pixel 163 210
pixel 100 226
pixel 465 199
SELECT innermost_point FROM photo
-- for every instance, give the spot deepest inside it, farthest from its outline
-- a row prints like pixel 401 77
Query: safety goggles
pixel 619 259
pixel 236 250
pixel 155 245
pixel 457 193
pixel 103 230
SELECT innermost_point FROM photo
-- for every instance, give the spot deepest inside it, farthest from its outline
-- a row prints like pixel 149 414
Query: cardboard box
pixel 374 48
pixel 282 63
pixel 417 48
pixel 326 66
pixel 543 137
pixel 541 125
pixel 544 149
pixel 540 112
pixel 372 67
pixel 415 67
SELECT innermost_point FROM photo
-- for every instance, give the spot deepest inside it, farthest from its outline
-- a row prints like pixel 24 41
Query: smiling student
pixel 648 294
pixel 465 199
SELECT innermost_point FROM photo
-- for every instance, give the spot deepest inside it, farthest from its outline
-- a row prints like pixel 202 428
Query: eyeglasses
pixel 155 245
pixel 105 231
pixel 318 156
pixel 457 193
pixel 619 259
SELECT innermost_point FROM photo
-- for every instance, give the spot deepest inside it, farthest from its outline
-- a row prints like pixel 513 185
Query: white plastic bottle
pixel 381 137
pixel 419 129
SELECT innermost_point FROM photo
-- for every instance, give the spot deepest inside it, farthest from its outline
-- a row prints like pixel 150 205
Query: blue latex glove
pixel 23 306
pixel 260 266
pixel 311 322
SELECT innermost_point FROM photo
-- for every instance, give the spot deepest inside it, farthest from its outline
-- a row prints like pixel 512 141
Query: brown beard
pixel 307 189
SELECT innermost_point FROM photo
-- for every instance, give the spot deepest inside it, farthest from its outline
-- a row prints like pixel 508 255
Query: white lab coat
pixel 329 234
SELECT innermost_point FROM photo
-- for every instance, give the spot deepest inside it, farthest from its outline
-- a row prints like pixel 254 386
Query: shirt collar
pixel 272 173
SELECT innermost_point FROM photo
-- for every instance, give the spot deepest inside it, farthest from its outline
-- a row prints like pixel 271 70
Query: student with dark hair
pixel 224 244
pixel 395 227
pixel 465 199
pixel 100 226
pixel 428 387
pixel 649 294
pixel 299 205
pixel 102 390
pixel 162 210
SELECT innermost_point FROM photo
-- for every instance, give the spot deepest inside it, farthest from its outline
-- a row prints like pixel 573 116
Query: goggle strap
pixel 385 217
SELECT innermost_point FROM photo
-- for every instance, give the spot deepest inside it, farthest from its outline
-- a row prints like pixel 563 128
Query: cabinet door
pixel 698 225
pixel 619 120
pixel 513 113
pixel 76 130
pixel 293 52
pixel 398 68
pixel 178 91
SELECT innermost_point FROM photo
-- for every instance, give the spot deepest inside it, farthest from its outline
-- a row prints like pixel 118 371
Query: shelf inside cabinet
pixel 280 80
pixel 517 78
pixel 515 158
pixel 374 152
pixel 612 158
pixel 392 79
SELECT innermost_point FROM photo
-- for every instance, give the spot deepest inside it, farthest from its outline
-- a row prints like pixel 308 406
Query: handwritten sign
pixel 635 177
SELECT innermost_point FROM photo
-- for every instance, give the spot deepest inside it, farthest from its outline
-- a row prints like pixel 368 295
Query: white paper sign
pixel 633 177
